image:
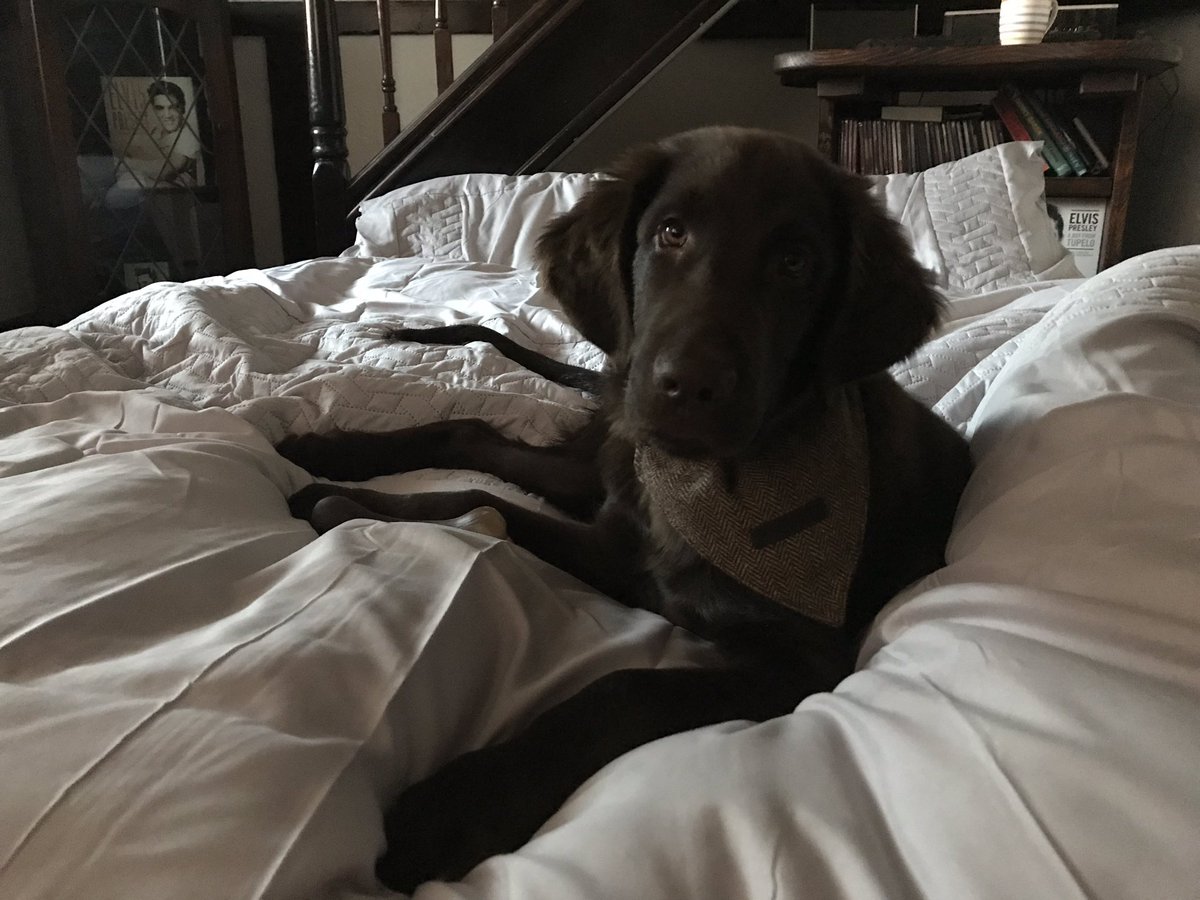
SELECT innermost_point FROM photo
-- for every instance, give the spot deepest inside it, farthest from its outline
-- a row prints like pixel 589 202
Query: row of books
pixel 885 145
pixel 912 137
pixel 1067 145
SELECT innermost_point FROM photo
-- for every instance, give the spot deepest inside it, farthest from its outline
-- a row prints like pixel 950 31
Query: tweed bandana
pixel 788 525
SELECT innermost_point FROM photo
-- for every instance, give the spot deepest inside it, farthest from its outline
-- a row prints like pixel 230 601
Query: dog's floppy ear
pixel 585 255
pixel 888 304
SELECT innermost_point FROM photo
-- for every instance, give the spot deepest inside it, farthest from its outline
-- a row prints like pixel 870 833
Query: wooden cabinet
pixel 127 145
pixel 1104 79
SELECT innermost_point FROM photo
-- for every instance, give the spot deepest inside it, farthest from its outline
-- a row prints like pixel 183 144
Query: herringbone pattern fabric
pixel 788 525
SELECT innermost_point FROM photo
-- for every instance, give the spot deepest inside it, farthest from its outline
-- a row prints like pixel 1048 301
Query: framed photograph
pixel 153 130
pixel 140 274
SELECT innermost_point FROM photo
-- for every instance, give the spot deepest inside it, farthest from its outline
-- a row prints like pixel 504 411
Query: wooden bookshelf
pixel 1107 77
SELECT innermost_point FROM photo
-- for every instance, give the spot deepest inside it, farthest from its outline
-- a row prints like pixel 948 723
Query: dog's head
pixel 732 276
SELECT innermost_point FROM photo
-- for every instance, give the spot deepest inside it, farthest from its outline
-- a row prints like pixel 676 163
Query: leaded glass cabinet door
pixel 136 113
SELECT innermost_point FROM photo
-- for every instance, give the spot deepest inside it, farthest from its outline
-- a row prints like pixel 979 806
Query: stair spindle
pixel 499 18
pixel 390 116
pixel 443 56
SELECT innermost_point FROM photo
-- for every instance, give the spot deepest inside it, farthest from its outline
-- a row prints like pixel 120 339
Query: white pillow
pixel 482 218
pixel 980 223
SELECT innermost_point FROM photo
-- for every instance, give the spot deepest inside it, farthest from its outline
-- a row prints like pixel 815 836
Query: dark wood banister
pixel 556 69
pixel 525 67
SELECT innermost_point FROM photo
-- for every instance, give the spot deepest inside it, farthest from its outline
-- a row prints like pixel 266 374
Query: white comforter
pixel 201 699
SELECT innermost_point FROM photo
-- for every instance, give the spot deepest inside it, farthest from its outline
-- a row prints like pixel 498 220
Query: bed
pixel 202 698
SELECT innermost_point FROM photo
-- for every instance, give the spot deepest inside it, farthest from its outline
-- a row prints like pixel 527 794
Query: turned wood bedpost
pixel 327 118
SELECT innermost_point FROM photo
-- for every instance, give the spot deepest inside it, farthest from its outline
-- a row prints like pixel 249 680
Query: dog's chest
pixel 788 524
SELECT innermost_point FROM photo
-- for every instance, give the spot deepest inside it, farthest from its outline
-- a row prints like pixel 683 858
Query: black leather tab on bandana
pixel 812 513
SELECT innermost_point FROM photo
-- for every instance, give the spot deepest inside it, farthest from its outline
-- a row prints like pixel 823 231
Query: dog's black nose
pixel 703 378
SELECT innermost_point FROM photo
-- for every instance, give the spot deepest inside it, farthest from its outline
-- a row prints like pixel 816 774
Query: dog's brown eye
pixel 671 233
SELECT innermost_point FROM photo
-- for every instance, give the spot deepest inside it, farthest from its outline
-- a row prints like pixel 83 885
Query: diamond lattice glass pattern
pixel 136 86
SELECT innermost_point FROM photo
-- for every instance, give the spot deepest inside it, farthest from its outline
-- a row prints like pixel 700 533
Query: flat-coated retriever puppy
pixel 752 474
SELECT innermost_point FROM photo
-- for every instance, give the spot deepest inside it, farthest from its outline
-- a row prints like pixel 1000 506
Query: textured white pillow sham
pixel 978 224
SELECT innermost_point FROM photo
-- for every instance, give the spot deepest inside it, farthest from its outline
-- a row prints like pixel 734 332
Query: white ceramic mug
pixel 1026 21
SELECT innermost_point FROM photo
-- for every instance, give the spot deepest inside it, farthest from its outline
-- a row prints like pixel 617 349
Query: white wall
pixel 725 82
pixel 254 102
pixel 16 283
pixel 416 83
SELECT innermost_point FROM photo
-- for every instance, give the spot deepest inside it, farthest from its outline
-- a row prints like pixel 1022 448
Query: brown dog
pixel 753 473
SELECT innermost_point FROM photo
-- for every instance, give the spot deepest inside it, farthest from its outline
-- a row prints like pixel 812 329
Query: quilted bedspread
pixel 201 698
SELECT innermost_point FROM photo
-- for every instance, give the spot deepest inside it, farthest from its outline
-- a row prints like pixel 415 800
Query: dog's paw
pixel 472 809
pixel 304 502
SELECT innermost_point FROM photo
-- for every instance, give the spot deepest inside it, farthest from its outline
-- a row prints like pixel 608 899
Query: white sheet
pixel 199 699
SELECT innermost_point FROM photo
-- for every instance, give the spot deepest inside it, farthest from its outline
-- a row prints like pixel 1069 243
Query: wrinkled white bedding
pixel 201 699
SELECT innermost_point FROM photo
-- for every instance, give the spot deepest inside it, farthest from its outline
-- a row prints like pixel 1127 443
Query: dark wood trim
pixel 327 119
pixel 1079 186
pixel 47 173
pixel 971 66
pixel 1112 242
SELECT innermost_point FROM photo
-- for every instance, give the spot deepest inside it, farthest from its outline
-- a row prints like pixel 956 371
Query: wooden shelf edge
pixel 1079 186
pixel 1143 55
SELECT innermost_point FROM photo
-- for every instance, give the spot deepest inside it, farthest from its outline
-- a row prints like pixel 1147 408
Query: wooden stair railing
pixel 390 115
pixel 554 70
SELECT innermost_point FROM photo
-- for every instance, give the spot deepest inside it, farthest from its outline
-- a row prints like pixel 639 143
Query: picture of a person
pixel 153 131
pixel 176 143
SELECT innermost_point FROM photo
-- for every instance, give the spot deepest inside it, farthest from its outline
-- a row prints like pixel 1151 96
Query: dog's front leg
pixel 604 553
pixel 494 800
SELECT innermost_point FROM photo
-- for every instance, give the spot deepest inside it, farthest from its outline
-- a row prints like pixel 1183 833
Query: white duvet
pixel 200 698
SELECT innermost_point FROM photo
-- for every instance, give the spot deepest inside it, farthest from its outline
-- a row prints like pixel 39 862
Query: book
pixel 1012 123
pixel 912 113
pixel 1102 164
pixel 1038 132
pixel 1062 140
pixel 1080 223
pixel 1008 116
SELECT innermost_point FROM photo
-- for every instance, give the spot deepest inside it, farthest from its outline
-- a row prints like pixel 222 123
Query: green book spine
pixel 1067 146
pixel 1039 132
